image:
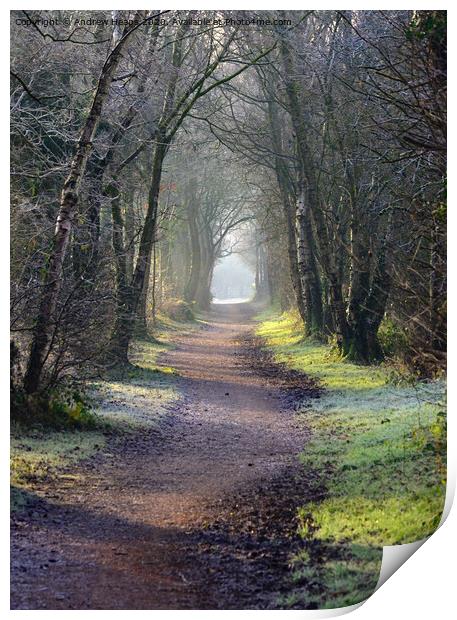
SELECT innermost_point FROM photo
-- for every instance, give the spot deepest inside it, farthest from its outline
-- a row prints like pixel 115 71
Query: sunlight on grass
pixel 165 326
pixel 34 455
pixel 370 521
pixel 129 401
pixel 377 449
pixel 38 455
pixel 139 396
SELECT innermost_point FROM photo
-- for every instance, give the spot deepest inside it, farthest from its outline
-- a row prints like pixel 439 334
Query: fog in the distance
pixel 233 280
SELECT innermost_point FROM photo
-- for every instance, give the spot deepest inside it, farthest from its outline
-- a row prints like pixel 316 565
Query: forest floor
pixel 195 510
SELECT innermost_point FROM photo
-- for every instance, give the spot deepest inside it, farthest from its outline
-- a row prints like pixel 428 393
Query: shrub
pixel 64 408
pixel 393 339
pixel 178 310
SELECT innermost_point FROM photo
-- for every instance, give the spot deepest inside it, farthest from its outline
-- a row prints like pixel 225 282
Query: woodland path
pixel 201 516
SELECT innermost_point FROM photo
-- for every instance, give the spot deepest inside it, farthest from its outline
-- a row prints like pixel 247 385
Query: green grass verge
pixel 378 451
pixel 38 455
pixel 121 403
pixel 136 396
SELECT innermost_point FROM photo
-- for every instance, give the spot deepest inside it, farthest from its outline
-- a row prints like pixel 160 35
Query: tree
pixel 68 202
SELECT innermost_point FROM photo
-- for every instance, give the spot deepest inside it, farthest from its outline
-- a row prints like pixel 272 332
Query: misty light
pixel 233 280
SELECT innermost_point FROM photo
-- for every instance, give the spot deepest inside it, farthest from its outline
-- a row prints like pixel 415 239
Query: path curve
pixel 187 522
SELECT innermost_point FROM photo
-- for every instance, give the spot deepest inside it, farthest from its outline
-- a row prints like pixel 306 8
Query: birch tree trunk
pixel 305 263
pixel 68 202
pixel 308 208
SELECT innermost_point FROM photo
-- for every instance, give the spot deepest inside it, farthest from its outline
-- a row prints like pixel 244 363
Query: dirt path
pixel 201 518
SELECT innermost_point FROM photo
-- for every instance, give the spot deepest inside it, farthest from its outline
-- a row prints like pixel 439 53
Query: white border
pixel 422 588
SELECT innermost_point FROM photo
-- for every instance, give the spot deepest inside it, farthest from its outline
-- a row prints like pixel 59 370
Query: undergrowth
pixel 378 448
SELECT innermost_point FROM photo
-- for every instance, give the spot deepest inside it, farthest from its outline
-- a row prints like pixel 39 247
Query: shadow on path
pixel 201 516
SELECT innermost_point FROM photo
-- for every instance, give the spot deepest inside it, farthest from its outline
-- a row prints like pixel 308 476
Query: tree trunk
pixel 306 267
pixel 124 326
pixel 68 202
pixel 203 294
pixel 129 237
pixel 361 343
pixel 308 207
pixel 125 321
pixel 288 210
pixel 196 254
pixel 117 349
pixel 141 323
pixel 86 236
